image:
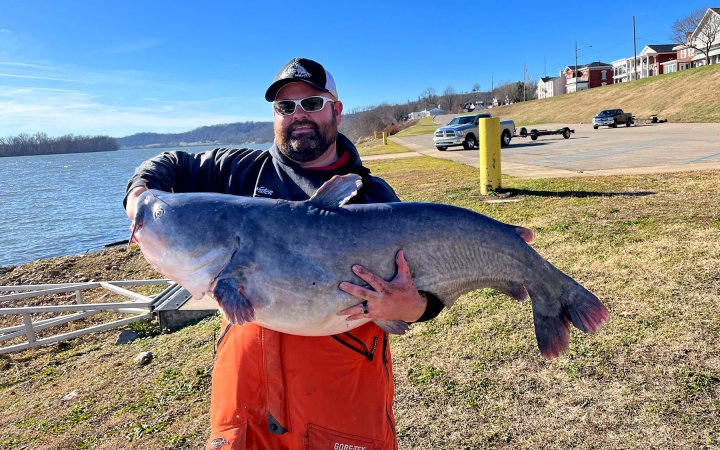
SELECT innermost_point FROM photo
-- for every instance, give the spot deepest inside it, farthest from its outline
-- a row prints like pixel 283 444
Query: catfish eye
pixel 158 213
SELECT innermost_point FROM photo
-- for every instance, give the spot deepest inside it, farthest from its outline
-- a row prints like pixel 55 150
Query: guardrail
pixel 140 307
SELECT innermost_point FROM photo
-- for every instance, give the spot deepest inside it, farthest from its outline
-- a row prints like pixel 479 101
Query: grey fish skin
pixel 278 263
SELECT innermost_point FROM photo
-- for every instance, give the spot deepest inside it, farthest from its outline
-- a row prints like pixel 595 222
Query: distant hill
pixel 229 133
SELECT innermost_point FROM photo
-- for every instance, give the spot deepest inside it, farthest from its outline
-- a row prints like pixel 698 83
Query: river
pixel 55 205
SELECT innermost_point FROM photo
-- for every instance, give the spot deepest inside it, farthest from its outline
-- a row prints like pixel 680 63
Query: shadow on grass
pixel 511 192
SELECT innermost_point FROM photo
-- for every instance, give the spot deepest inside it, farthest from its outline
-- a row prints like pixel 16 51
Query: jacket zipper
pixel 222 336
pixel 362 349
pixel 387 374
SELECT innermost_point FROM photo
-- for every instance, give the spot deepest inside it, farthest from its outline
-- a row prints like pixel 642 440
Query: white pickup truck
pixel 462 130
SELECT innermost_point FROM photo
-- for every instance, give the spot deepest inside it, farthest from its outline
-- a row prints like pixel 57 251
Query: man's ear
pixel 337 110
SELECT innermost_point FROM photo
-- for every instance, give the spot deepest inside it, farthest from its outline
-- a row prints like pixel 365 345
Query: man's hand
pixel 397 299
pixel 131 203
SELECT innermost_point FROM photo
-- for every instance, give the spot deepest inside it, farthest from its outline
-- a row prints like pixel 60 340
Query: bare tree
pixel 429 97
pixel 698 30
pixel 450 101
pixel 505 92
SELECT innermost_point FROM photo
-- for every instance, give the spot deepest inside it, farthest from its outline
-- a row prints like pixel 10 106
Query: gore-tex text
pixel 340 446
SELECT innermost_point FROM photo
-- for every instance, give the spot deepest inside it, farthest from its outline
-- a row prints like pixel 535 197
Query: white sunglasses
pixel 308 104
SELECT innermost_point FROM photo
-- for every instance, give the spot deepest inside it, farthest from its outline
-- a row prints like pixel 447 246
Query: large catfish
pixel 278 263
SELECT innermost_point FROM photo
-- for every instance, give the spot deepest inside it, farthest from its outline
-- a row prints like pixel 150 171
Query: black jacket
pixel 254 173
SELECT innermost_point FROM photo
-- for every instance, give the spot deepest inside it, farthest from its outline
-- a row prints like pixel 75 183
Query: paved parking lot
pixel 640 149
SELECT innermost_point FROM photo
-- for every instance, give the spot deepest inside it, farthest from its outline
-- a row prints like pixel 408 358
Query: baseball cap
pixel 305 70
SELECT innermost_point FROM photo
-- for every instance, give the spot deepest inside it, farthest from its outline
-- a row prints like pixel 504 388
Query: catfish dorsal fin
pixel 337 191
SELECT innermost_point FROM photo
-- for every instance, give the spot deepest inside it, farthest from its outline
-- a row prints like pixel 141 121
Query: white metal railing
pixel 139 308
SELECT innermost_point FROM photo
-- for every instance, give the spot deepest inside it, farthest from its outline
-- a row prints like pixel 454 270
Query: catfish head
pixel 173 235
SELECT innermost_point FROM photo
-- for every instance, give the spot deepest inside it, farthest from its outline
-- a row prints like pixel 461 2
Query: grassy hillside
pixel 686 96
pixel 648 246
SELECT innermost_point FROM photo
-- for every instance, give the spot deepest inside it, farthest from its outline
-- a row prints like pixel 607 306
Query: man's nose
pixel 299 112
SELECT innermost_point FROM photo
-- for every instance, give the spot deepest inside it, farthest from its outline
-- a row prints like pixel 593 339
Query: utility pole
pixel 633 77
pixel 575 71
pixel 524 82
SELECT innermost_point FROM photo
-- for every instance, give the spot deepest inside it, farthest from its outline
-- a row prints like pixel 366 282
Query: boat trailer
pixel 534 134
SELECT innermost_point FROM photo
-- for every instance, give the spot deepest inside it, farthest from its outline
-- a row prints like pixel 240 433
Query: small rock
pixel 126 337
pixel 143 358
pixel 70 395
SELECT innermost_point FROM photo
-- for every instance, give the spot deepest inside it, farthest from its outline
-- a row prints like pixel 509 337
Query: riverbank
pixel 471 378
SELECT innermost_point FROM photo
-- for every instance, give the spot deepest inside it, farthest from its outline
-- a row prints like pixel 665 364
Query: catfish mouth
pixel 134 228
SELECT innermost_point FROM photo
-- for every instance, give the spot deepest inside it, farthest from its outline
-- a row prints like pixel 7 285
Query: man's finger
pixel 402 265
pixel 358 291
pixel 356 312
pixel 370 278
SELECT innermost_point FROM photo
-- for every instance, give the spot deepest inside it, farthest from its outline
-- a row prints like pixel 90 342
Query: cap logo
pixel 296 71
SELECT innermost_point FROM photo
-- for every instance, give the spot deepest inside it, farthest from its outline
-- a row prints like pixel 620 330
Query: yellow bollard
pixel 374 134
pixel 489 132
pixel 385 138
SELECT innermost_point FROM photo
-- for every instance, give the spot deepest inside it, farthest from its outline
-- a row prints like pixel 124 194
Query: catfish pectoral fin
pixel 393 326
pixel 233 303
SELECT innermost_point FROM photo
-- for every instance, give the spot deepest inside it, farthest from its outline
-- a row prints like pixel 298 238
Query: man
pixel 277 391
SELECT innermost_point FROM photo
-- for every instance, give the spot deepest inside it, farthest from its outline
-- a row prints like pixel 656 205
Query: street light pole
pixel 576 63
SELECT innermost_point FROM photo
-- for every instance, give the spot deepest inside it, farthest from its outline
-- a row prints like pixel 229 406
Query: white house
pixel 551 86
pixel 425 113
pixel 418 114
pixel 652 57
pixel 624 70
pixel 699 37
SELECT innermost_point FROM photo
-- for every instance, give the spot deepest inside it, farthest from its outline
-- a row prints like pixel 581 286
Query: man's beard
pixel 307 147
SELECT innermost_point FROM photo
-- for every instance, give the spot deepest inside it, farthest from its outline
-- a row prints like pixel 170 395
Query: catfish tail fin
pixel 552 318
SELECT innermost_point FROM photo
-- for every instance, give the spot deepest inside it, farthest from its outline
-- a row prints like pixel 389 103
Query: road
pixel 640 149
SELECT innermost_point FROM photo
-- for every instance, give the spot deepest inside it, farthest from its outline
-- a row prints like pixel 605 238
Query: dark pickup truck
pixel 612 118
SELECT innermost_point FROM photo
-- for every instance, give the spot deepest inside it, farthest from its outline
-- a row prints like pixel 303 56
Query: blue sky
pixel 117 68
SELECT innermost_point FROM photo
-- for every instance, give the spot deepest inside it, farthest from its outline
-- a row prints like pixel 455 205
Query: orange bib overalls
pixel 272 390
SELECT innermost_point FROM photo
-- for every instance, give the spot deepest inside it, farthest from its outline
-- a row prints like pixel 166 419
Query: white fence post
pixel 29 332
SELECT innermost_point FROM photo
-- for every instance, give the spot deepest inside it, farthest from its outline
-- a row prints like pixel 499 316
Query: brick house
pixel 595 74
pixel 683 59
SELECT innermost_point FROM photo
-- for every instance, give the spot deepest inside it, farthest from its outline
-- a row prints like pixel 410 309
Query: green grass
pixel 648 246
pixel 424 126
pixel 376 147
